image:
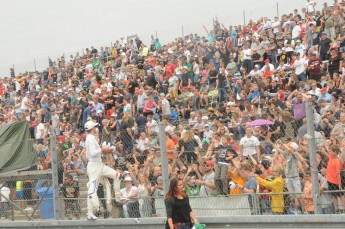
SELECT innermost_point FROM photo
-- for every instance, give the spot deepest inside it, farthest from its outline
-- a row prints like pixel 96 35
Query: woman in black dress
pixel 179 212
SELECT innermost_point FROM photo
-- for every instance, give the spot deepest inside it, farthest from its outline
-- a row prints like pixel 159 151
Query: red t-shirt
pixel 169 69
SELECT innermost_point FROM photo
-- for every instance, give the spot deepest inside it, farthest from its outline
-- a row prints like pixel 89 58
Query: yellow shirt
pixel 277 185
pixel 19 185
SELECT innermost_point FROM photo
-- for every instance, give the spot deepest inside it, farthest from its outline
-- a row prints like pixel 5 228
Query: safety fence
pixel 55 168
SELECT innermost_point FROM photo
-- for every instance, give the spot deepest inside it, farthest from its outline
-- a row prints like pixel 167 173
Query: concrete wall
pixel 302 221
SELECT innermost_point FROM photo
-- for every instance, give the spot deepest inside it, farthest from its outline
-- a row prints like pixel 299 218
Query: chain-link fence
pixel 223 172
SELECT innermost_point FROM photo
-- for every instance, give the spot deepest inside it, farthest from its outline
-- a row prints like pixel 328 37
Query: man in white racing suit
pixel 96 170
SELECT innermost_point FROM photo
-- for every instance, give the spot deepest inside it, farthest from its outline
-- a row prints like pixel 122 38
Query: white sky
pixel 36 29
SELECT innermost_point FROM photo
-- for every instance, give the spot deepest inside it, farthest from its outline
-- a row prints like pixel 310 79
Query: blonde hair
pixel 188 136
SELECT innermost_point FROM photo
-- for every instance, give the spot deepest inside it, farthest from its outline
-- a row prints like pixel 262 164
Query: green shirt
pixel 193 190
pixel 190 69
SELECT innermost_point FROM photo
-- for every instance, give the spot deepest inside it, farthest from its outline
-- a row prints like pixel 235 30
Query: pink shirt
pixel 149 105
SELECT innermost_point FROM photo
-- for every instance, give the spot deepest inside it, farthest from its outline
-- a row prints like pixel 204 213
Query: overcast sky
pixel 36 29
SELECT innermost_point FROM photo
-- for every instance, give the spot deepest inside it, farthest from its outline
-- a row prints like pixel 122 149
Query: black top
pixel 178 210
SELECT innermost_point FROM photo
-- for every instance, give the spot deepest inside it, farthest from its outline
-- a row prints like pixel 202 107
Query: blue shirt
pixel 86 114
pixel 253 95
pixel 326 97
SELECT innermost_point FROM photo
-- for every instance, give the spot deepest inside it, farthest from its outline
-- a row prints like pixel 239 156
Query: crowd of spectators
pixel 204 89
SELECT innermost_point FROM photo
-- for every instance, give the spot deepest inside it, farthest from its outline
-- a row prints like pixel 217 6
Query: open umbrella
pixel 259 122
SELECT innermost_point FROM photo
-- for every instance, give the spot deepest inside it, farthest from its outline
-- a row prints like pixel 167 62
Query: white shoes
pixel 28 209
pixel 91 217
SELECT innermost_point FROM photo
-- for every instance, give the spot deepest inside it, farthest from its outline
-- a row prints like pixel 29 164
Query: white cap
pixel 206 125
pixel 231 103
pixel 59 90
pixel 90 124
pixel 128 178
pixel 170 129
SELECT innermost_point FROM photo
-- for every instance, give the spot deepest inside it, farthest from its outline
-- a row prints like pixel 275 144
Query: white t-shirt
pixel 166 107
pixel 289 49
pixel 205 191
pixel 153 125
pixel 299 66
pixel 39 132
pixel 300 48
pixel 247 52
pixel 127 108
pixel 173 82
pixel 310 6
pixel 125 194
pixel 24 102
pixel 249 145
pixel 5 191
pixel 295 31
pixel 275 26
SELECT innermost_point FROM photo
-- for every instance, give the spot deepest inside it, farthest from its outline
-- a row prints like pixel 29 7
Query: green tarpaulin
pixel 16 150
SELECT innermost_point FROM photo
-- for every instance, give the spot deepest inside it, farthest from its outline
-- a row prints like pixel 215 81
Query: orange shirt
pixel 238 180
pixel 333 170
pixel 170 145
pixel 267 74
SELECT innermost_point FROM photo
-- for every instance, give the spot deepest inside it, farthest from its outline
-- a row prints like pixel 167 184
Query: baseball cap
pixel 267 61
pixel 90 124
pixel 298 41
pixel 128 179
pixel 206 125
pixel 209 163
pixel 256 66
pixel 323 89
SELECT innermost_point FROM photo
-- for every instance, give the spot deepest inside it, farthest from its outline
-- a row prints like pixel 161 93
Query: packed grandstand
pixel 232 101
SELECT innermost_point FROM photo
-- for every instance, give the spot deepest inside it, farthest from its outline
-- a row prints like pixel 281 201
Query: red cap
pixel 267 61
pixel 185 88
pixel 323 89
pixel 209 163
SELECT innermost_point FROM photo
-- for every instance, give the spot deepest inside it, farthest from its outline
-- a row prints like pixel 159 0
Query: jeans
pixel 221 94
pixel 4 206
pixel 273 59
pixel 301 77
pixel 220 179
pixel 196 78
pixel 183 227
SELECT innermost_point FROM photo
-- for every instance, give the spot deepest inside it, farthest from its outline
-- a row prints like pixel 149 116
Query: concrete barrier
pixel 277 221
pixel 212 205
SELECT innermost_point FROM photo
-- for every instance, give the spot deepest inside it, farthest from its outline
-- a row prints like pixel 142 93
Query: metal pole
pixel 156 35
pixel 163 148
pixel 182 33
pixel 35 64
pixel 312 157
pixel 58 212
pixel 244 17
pixel 278 9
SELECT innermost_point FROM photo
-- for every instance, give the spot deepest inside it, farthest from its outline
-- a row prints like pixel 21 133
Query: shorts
pixel 334 187
pixel 20 194
pixel 294 187
pixel 173 93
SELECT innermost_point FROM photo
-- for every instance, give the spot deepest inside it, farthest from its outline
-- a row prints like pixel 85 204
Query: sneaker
pixel 292 212
pixel 91 217
pixel 28 209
